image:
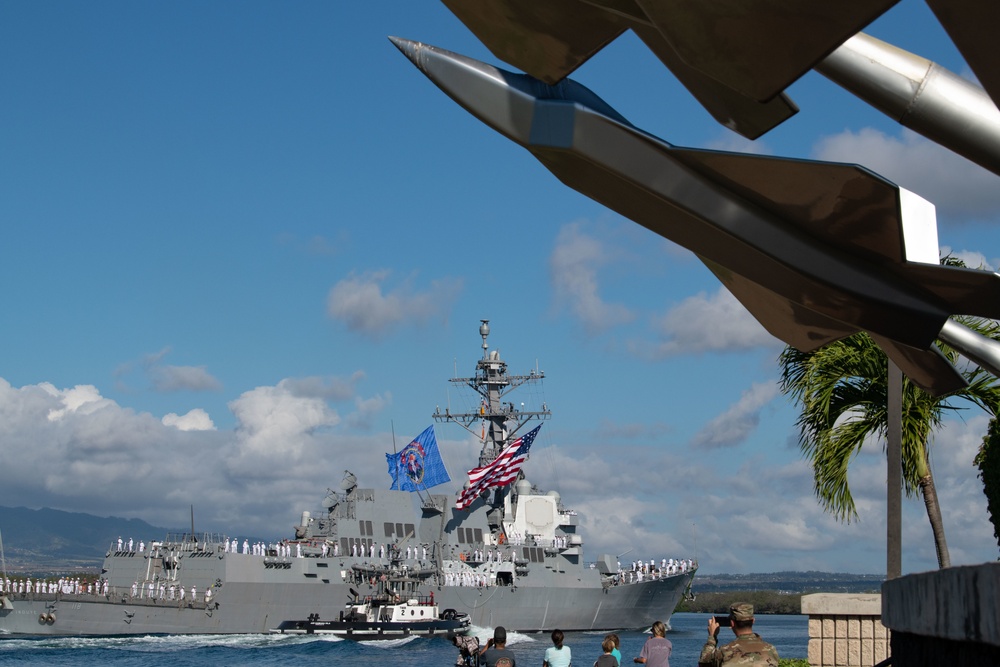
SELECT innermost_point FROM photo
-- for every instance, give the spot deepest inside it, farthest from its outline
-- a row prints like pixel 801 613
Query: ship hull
pixel 260 606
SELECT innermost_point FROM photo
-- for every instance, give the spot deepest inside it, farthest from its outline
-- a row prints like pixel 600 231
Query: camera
pixel 723 621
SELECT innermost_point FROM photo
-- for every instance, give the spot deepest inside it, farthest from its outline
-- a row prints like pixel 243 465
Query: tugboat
pixel 385 615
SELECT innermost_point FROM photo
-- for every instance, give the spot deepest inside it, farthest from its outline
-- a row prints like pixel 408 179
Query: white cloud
pixel 573 267
pixel 715 323
pixel 742 418
pixel 972 258
pixel 958 188
pixel 195 420
pixel 274 422
pixel 83 399
pixel 360 303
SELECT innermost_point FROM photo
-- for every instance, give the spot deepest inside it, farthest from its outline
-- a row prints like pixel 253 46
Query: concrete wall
pixel 845 630
pixel 946 617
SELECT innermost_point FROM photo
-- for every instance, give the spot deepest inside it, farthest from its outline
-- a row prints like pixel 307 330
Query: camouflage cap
pixel 741 611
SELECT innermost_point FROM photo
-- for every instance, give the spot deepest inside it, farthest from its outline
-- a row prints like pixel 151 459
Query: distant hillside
pixel 789 582
pixel 48 540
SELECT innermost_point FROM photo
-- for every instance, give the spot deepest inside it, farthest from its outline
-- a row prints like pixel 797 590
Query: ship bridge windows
pixel 470 535
pixel 399 530
pixel 534 554
pixel 365 527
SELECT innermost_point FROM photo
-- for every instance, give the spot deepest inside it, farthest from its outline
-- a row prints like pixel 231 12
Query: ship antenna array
pixel 492 383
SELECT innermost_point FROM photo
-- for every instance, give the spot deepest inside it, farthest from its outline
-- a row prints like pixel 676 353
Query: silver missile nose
pixel 505 101
pixel 409 48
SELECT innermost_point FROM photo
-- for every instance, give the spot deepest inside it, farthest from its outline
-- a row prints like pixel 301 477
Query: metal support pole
pixel 894 475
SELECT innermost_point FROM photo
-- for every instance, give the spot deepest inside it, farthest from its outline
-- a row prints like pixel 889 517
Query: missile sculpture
pixel 921 95
pixel 738 56
pixel 735 56
pixel 816 251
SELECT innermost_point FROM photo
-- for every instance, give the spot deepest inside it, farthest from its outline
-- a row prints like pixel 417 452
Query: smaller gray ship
pixel 500 552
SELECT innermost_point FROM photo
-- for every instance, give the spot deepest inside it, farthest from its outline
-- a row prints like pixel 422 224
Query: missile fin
pixel 804 329
pixel 732 109
pixel 843 205
pixel 759 47
pixel 928 369
pixel 807 330
pixel 548 40
pixel 966 291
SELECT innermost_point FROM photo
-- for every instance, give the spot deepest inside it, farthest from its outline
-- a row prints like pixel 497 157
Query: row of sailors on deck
pixel 474 579
pixel 129 545
pixel 68 586
pixel 357 550
pixel 667 565
pixel 282 549
pixel 481 556
pixel 641 570
pixel 412 551
pixel 152 591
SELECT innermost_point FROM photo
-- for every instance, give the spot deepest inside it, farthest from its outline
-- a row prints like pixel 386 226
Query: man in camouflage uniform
pixel 747 649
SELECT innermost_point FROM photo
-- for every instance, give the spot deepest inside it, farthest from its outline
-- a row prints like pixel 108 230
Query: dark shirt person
pixel 468 649
pixel 656 651
pixel 746 650
pixel 496 653
pixel 607 659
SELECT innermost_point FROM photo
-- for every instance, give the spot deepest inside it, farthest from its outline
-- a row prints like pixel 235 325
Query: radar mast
pixel 502 421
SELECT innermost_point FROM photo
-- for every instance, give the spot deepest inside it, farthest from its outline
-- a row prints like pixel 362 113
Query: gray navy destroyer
pixel 512 556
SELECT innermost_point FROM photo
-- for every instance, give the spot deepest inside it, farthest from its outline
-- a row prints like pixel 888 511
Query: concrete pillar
pixel 845 630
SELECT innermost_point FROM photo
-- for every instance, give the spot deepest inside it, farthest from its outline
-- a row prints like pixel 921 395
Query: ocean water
pixel 789 634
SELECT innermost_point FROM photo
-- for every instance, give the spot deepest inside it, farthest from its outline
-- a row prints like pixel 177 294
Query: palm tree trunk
pixel 929 493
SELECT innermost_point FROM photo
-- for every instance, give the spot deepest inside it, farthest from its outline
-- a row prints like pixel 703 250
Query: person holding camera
pixel 496 653
pixel 747 649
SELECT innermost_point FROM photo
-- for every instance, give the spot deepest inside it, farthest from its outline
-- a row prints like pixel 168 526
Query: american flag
pixel 501 471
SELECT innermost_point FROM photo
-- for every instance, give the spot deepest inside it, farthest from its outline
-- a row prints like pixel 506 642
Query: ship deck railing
pixel 116 599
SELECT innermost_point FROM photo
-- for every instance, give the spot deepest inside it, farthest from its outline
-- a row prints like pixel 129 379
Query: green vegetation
pixel 764 602
pixel 988 461
pixel 793 662
pixel 842 390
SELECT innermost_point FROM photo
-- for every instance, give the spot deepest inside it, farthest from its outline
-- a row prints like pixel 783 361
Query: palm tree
pixel 843 392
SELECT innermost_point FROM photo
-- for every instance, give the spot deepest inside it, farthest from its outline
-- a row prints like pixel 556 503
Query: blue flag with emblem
pixel 419 465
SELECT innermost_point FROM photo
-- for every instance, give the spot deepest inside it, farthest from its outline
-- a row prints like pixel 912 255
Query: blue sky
pixel 243 243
